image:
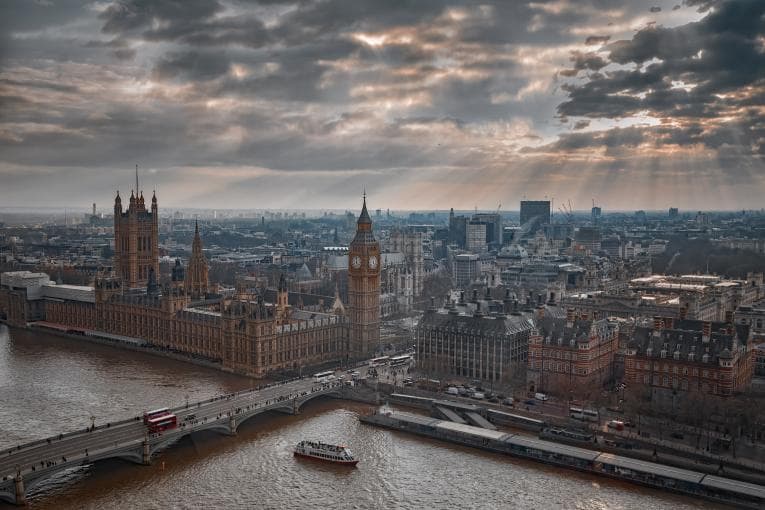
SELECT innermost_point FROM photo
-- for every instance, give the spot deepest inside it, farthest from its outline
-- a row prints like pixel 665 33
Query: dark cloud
pixel 655 8
pixel 584 62
pixel 39 84
pixel 596 39
pixel 126 16
pixel 706 69
pixel 256 96
pixel 191 65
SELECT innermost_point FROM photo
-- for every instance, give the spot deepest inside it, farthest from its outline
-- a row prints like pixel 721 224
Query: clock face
pixel 356 261
pixel 372 262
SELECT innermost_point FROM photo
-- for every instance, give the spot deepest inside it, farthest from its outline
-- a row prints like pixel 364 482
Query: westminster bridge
pixel 25 466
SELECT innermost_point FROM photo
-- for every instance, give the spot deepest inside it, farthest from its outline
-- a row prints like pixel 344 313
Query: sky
pixel 424 104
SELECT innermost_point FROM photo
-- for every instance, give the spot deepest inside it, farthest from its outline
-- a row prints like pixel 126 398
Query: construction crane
pixel 568 213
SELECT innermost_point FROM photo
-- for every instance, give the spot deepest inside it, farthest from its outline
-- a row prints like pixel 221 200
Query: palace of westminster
pixel 244 333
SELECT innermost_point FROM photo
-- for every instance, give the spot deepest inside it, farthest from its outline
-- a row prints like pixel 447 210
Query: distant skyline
pixel 286 104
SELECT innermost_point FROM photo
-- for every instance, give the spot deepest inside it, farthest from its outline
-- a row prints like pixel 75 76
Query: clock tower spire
pixel 364 288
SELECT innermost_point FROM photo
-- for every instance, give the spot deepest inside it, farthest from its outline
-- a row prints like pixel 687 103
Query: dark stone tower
pixel 136 240
pixel 364 288
pixel 197 274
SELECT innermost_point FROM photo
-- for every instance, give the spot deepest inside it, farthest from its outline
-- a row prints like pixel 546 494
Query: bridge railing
pixel 183 407
pixel 156 438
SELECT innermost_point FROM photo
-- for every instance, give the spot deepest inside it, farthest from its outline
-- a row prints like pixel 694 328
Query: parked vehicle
pixel 541 396
pixel 477 395
pixel 451 390
pixel 509 401
pixel 677 435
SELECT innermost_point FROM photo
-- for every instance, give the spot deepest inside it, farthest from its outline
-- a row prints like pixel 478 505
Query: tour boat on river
pixel 325 452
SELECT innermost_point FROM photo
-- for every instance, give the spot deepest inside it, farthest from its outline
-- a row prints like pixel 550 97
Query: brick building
pixel 678 356
pixel 571 356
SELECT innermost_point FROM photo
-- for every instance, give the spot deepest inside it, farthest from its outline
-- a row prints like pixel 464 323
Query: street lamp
pixel 187 400
pixel 92 422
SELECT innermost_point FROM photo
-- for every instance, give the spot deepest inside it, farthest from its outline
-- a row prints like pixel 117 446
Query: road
pixel 81 445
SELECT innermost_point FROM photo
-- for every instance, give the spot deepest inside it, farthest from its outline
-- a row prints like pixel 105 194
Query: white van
pixel 451 390
pixel 541 396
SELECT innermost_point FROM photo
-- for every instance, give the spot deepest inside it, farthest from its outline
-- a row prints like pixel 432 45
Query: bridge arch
pixel 301 401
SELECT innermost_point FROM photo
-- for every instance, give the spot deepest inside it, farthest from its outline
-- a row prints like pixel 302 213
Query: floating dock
pixel 678 480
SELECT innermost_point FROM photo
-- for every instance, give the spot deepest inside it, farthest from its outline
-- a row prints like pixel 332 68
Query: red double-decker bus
pixel 164 422
pixel 149 415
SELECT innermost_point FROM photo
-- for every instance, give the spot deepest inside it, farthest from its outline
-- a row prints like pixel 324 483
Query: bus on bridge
pixel 164 422
pixel 149 415
pixel 323 377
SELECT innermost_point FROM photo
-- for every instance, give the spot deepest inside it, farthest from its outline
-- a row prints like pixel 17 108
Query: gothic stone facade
pixel 364 288
pixel 249 336
pixel 136 241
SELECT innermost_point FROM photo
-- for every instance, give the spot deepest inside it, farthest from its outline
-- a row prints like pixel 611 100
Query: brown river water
pixel 50 384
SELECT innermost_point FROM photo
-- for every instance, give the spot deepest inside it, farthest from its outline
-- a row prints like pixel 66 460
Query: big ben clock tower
pixel 364 288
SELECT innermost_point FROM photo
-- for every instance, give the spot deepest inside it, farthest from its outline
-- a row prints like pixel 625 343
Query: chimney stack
pixel 570 317
pixel 706 332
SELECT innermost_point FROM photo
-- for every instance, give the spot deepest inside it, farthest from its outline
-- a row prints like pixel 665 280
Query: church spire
pixel 364 216
pixel 196 245
pixel 196 278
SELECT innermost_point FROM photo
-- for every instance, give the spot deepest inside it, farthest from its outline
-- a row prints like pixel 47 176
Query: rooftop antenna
pixel 136 180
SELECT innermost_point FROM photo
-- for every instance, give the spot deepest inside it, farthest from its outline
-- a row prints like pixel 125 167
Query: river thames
pixel 50 384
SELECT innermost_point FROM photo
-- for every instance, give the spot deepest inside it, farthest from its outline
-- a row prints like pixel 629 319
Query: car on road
pixel 408 381
pixel 677 435
pixel 615 424
pixel 477 395
pixel 508 401
pixel 541 397
pixel 494 400
pixel 530 402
